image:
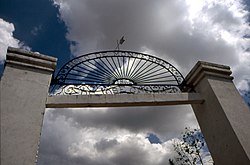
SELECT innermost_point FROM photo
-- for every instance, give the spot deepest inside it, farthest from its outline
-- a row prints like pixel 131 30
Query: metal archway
pixel 114 72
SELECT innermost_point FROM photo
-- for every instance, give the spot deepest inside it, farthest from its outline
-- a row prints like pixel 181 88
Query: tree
pixel 191 149
pixel 171 162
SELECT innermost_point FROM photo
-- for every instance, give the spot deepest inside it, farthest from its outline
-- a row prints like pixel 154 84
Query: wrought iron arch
pixel 115 72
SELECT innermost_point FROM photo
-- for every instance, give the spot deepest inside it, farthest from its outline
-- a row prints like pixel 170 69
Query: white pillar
pixel 24 89
pixel 224 118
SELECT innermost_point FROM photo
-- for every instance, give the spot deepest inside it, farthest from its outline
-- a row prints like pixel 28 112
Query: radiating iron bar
pixel 83 80
pixel 131 67
pixel 139 69
pixel 126 73
pixel 145 78
pixel 119 65
pixel 93 78
pixel 158 81
pixel 144 70
pixel 152 71
pixel 113 58
pixel 104 69
pixel 116 66
pixel 137 77
pixel 77 75
pixel 65 66
pixel 88 73
pixel 114 73
pixel 112 70
pixel 94 67
pixel 105 73
pixel 123 66
pixel 170 68
pixel 89 80
pixel 107 67
pixel 115 70
pixel 92 71
pixel 118 61
pixel 79 80
pixel 157 78
pixel 136 67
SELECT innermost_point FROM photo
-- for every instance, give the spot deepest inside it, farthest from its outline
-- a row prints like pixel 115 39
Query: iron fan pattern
pixel 116 72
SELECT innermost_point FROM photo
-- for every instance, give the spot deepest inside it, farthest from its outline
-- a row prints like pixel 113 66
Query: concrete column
pixel 224 118
pixel 24 89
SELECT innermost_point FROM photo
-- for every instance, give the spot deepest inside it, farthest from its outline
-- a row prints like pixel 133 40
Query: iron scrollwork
pixel 114 89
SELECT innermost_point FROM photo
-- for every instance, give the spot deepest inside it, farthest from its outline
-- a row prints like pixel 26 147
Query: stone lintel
pixel 202 69
pixel 74 101
pixel 16 56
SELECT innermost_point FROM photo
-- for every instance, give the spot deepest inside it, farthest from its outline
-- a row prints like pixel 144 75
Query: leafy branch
pixel 189 149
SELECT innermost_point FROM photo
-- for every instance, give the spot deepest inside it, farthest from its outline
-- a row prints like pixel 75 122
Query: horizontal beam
pixel 122 100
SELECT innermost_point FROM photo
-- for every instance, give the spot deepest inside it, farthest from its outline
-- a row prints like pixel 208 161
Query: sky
pixel 178 31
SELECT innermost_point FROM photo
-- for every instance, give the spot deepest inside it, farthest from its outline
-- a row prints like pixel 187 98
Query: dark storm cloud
pixel 65 142
pixel 131 155
pixel 103 22
pixel 160 120
pixel 222 16
pixel 162 26
pixel 105 144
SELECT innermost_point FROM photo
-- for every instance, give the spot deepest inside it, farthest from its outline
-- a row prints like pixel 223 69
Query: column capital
pixel 16 56
pixel 202 69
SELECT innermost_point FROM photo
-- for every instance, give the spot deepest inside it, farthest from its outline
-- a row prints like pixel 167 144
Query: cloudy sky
pixel 179 31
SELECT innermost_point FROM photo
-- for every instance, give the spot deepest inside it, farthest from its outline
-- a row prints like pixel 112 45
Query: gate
pixel 105 79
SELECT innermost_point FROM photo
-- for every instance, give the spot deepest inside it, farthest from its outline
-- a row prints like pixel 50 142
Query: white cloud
pixel 227 22
pixel 7 39
pixel 87 136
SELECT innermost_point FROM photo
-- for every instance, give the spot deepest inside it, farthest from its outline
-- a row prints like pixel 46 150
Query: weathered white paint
pixel 122 100
pixel 24 89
